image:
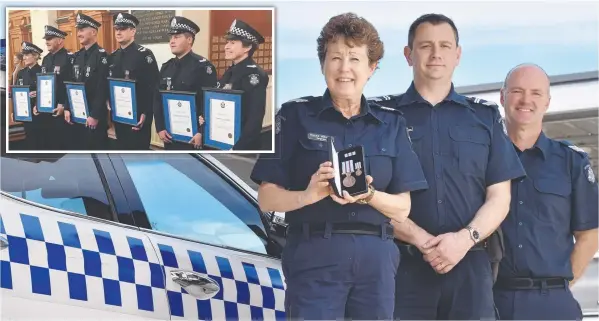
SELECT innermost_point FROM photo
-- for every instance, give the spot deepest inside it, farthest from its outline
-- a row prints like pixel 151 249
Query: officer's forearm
pixel 494 210
pixel 394 206
pixel 273 198
pixel 585 248
pixel 407 231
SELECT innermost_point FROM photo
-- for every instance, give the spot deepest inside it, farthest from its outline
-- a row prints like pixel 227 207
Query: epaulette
pixel 101 50
pixel 202 60
pixel 384 98
pixel 251 66
pixel 573 147
pixel 481 101
pixel 381 107
pixel 300 100
pixel 141 48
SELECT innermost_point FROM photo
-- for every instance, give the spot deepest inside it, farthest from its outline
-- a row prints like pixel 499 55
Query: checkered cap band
pixel 182 26
pixel 27 47
pixel 124 21
pixel 54 34
pixel 82 21
pixel 243 33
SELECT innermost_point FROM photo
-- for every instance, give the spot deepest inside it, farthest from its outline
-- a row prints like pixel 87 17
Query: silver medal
pixel 87 72
pixel 168 83
pixel 359 168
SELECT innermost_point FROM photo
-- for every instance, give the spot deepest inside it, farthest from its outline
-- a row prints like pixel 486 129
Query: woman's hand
pixel 319 188
pixel 352 199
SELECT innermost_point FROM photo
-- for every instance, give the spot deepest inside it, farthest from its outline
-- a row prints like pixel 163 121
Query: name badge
pixel 317 137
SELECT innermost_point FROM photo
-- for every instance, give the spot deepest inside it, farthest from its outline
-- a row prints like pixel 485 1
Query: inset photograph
pixel 197 79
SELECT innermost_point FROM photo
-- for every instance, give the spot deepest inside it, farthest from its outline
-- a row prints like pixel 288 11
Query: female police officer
pixel 340 260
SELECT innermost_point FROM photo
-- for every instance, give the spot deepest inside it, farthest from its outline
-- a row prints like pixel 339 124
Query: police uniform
pixel 463 149
pixel 137 63
pixel 331 275
pixel 90 66
pixel 28 76
pixel 55 129
pixel 557 198
pixel 253 80
pixel 188 73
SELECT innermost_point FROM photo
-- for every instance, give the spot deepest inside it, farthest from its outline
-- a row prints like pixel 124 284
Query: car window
pixel 184 197
pixel 67 182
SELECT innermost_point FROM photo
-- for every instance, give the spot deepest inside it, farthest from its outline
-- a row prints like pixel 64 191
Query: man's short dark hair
pixel 434 19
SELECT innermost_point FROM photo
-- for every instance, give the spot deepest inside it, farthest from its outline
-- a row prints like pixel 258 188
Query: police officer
pixel 28 77
pixel 469 162
pixel 187 71
pixel 553 206
pixel 339 260
pixel 132 61
pixel 90 67
pixel 246 75
pixel 60 62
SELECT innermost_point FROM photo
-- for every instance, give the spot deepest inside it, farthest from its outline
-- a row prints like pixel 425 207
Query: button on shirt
pixel 300 149
pixel 463 150
pixel 558 196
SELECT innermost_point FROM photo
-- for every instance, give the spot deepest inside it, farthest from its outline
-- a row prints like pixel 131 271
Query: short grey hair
pixel 526 64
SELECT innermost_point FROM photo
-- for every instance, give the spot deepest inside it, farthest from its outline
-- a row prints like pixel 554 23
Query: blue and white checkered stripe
pixel 247 291
pixel 77 262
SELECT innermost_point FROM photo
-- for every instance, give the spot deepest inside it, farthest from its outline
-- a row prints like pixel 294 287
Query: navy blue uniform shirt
pixel 300 147
pixel 558 197
pixel 463 149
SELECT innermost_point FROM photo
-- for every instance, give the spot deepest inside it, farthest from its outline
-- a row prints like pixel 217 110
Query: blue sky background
pixel 562 37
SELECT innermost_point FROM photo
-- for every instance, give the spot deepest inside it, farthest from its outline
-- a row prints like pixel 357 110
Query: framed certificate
pixel 123 101
pixel 46 100
pixel 180 117
pixel 350 172
pixel 77 101
pixel 222 115
pixel 21 103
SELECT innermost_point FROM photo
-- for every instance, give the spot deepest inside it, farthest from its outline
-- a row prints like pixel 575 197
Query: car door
pixel 219 262
pixel 62 254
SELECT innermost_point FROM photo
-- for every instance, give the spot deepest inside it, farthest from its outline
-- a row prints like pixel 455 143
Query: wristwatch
pixel 474 235
pixel 366 200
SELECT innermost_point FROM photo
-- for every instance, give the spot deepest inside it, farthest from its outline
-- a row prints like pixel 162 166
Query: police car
pixel 131 237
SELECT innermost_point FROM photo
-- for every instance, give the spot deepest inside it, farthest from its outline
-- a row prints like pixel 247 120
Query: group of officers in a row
pixel 92 65
pixel 444 172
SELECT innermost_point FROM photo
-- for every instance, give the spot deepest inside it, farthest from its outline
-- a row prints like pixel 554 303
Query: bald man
pixel 555 204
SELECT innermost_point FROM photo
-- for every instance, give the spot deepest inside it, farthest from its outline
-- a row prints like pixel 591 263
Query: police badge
pixel 149 59
pixel 278 119
pixel 209 70
pixel 104 61
pixel 590 174
pixel 254 79
pixel 502 122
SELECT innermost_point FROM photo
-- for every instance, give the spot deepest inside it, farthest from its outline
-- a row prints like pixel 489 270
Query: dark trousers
pixel 464 293
pixel 129 139
pixel 537 304
pixel 339 276
pixel 51 132
pixel 85 138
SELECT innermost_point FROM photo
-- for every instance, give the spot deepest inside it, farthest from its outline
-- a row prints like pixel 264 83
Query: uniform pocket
pixel 553 200
pixel 472 146
pixel 379 162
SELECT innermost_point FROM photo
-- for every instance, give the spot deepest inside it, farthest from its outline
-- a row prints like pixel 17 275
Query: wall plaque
pixel 153 25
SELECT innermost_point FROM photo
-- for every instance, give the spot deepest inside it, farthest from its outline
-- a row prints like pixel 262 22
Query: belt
pixel 412 250
pixel 384 230
pixel 530 283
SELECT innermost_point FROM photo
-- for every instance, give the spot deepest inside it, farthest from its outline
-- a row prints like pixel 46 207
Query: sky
pixel 562 37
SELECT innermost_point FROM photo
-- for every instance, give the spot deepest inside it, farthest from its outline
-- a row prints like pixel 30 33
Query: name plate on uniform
pixel 222 115
pixel 46 100
pixel 21 103
pixel 77 101
pixel 123 101
pixel 350 173
pixel 180 117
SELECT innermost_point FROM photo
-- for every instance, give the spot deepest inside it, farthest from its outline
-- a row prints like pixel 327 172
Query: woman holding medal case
pixel 339 260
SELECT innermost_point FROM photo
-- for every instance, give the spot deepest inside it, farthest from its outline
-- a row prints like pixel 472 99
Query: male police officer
pixel 60 62
pixel 555 204
pixel 91 67
pixel 246 75
pixel 188 71
pixel 469 162
pixel 132 61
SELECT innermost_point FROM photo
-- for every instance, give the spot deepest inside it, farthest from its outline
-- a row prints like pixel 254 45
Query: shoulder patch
pixel 481 101
pixel 588 170
pixel 574 147
pixel 254 79
pixel 149 59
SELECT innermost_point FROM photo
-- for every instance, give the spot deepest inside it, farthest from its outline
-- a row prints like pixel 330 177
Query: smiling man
pixel 468 160
pixel 555 204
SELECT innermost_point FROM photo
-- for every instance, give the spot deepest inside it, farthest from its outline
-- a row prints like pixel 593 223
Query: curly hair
pixel 356 30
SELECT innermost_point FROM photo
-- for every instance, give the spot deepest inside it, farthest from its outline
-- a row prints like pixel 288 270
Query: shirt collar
pixel 129 47
pixel 543 144
pixel 187 56
pixel 412 96
pixel 92 48
pixel 326 103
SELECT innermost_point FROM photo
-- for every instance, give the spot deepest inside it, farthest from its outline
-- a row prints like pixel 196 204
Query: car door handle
pixel 198 285
pixel 3 243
